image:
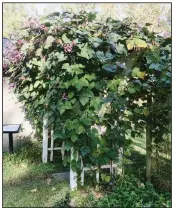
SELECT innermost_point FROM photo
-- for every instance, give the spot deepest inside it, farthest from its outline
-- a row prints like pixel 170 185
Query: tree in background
pixel 159 15
pixel 104 10
pixel 77 7
pixel 108 11
pixel 14 16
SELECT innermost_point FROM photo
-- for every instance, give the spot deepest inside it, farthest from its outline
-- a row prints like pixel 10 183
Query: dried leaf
pixel 34 190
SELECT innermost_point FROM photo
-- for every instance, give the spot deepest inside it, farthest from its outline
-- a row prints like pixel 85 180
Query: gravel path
pixel 13 114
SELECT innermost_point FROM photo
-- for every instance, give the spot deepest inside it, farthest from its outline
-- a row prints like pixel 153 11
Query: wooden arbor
pixel 73 175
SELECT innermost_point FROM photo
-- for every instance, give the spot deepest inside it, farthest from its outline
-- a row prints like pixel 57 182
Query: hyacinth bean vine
pixel 84 74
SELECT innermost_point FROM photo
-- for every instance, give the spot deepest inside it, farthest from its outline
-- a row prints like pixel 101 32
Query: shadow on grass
pixel 139 144
pixel 29 184
pixel 34 193
pixel 26 164
pixel 138 165
pixel 161 172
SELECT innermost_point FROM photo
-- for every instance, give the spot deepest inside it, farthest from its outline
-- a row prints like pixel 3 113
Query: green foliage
pixel 130 192
pixel 135 42
pixel 27 150
pixel 64 202
pixel 105 177
pixel 71 71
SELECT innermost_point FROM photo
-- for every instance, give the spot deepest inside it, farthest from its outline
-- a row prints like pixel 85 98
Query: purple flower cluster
pixel 32 23
pixel 12 54
pixel 68 47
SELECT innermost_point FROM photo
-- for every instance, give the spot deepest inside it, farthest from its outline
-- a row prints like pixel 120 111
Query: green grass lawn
pixel 27 182
pixel 139 145
pixel 34 193
pixel 31 185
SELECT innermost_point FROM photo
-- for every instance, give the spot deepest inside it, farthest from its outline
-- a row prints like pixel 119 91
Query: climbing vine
pixel 84 74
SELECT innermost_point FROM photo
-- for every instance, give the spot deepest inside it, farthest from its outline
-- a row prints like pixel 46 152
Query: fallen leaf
pixel 98 195
pixel 33 190
pixel 48 180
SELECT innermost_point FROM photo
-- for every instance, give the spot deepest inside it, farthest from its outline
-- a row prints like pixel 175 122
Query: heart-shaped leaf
pixel 83 100
pixel 74 138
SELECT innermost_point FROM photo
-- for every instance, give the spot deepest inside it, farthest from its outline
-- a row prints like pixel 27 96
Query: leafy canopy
pixel 83 74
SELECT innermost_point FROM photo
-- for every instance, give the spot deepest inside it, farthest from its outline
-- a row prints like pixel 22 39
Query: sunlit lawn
pixel 30 185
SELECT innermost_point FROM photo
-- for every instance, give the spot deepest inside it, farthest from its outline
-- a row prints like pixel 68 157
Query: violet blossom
pixel 68 47
pixel 12 54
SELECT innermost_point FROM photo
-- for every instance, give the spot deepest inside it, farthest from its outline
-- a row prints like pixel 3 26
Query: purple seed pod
pixel 64 96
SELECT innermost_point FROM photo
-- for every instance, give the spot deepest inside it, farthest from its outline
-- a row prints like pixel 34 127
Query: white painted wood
pixel 73 174
pixel 111 168
pixel 63 150
pixel 98 175
pixel 102 167
pixel 114 166
pixel 82 173
pixel 120 168
pixel 55 148
pixel 92 168
pixel 45 140
pixel 98 171
pixel 108 166
pixel 52 145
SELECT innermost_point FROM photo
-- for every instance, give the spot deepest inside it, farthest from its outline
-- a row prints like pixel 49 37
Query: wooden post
pixel 111 168
pixel 45 140
pixel 120 168
pixel 82 172
pixel 63 150
pixel 148 152
pixel 149 142
pixel 73 174
pixel 52 145
pixel 98 171
pixel 98 175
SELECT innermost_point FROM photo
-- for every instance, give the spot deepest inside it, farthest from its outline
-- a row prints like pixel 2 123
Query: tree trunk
pixel 157 161
pixel 148 152
pixel 148 143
